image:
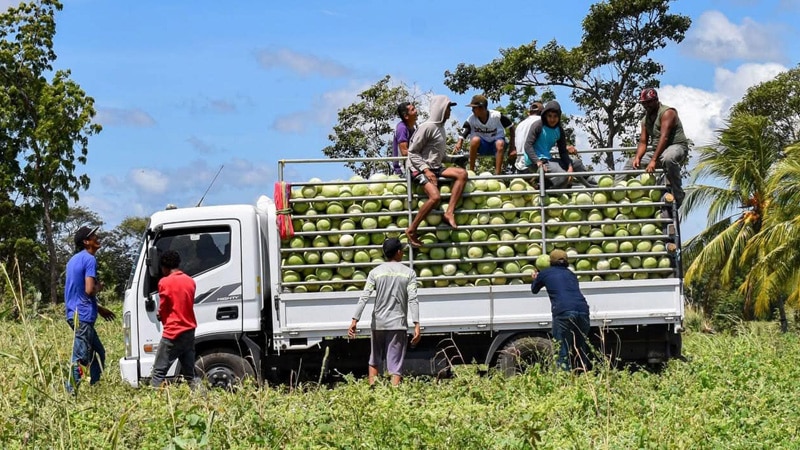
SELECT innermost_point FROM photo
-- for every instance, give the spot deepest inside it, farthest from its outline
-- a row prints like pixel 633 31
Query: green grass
pixel 736 391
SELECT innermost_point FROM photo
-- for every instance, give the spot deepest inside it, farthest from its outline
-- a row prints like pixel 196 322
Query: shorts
pixel 487 148
pixel 388 345
pixel 420 178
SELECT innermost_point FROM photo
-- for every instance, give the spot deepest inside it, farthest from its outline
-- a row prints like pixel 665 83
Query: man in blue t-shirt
pixel 570 311
pixel 80 300
pixel 402 133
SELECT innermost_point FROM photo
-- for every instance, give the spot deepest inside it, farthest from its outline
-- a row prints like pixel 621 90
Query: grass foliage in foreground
pixel 737 391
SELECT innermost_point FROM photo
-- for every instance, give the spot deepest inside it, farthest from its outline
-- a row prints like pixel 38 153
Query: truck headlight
pixel 126 333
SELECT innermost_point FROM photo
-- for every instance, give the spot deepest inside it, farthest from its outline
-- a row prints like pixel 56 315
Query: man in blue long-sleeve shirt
pixel 570 311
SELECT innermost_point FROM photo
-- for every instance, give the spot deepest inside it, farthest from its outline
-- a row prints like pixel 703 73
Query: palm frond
pixel 715 253
pixel 718 201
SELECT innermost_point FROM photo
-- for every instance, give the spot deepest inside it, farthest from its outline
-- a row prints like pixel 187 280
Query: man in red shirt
pixel 176 312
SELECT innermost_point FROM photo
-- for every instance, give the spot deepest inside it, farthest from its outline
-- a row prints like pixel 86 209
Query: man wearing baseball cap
pixel 485 129
pixel 662 142
pixel 570 312
pixel 395 286
pixel 80 301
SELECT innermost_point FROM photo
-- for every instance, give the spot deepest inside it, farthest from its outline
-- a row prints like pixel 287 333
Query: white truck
pixel 264 313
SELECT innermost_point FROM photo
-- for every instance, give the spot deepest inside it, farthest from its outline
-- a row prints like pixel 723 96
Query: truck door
pixel 211 254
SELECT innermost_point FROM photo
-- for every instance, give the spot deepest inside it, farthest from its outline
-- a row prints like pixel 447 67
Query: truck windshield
pixel 200 249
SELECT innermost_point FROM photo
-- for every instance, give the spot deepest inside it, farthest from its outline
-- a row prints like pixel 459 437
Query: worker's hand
pixel 651 167
pixel 351 332
pixel 542 164
pixel 572 150
pixel 533 275
pixel 106 313
pixel 417 336
pixel 431 177
pixel 635 163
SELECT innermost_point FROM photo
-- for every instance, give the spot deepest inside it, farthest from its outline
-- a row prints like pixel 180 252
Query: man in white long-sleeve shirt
pixel 395 285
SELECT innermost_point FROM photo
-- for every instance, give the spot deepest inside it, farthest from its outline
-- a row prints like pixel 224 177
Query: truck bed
pixel 486 308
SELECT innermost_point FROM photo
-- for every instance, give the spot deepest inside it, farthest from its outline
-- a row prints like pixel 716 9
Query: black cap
pixel 391 246
pixel 478 100
pixel 82 234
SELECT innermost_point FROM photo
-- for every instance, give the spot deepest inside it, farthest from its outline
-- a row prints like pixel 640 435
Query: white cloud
pixel 146 190
pixel 122 117
pixel 148 181
pixel 734 85
pixel 303 64
pixel 322 112
pixel 703 112
pixel 714 38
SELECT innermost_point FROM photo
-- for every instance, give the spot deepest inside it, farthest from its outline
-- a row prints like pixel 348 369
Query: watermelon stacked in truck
pixel 507 227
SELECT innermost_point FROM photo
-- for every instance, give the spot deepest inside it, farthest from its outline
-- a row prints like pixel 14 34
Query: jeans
pixel 180 348
pixel 571 331
pixel 670 159
pixel 87 350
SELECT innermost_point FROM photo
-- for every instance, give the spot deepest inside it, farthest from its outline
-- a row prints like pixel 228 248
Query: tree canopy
pixel 604 73
pixel 778 100
pixel 47 120
pixel 364 129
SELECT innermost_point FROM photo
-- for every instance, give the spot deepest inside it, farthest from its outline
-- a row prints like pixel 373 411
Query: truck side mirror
pixel 152 262
pixel 150 303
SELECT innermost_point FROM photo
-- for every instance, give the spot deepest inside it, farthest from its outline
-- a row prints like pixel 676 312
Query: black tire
pixel 223 369
pixel 523 352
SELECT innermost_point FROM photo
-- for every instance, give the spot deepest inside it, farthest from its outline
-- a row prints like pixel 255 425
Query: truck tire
pixel 223 369
pixel 523 352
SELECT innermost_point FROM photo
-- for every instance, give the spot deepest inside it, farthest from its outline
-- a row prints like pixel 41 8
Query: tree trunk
pixel 51 249
pixel 782 314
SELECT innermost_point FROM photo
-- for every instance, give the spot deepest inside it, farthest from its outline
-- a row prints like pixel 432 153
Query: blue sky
pixel 182 87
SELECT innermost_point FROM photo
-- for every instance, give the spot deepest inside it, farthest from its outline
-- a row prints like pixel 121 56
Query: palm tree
pixel 738 165
pixel 776 248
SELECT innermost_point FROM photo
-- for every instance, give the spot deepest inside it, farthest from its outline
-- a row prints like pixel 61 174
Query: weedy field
pixel 736 390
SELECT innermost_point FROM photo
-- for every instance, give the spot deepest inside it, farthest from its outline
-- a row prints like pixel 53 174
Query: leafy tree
pixel 119 252
pixel 779 100
pixel 739 164
pixel 605 72
pixel 51 119
pixel 365 128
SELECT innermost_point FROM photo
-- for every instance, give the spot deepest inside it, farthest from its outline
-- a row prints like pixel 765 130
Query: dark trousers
pixel 180 348
pixel 571 331
pixel 87 350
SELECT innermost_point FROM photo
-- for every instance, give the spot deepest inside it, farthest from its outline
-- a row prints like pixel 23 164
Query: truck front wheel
pixel 223 369
pixel 523 352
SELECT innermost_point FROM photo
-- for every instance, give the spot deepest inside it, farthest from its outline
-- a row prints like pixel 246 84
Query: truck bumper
pixel 129 369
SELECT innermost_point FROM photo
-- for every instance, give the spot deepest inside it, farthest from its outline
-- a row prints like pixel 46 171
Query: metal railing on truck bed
pixel 616 231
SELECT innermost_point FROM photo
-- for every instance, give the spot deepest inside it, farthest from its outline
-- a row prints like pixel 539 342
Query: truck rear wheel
pixel 223 369
pixel 523 352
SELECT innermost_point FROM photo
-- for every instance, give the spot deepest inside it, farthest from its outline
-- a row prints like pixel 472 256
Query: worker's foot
pixel 413 240
pixel 450 219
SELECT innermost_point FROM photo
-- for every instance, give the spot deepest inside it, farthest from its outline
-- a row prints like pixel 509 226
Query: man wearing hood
pixel 541 137
pixel 426 154
pixel 663 131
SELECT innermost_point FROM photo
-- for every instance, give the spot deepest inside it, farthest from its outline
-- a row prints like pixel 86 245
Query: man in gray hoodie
pixel 426 155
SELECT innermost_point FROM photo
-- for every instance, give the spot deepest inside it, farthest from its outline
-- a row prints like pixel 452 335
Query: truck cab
pixel 230 292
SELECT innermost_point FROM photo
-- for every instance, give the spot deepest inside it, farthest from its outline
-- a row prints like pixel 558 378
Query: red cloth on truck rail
pixel 283 192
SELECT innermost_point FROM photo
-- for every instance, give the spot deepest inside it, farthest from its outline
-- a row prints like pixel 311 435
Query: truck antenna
pixel 209 185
